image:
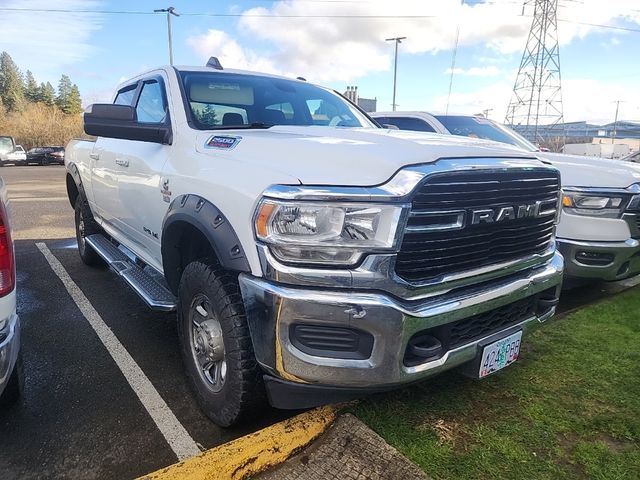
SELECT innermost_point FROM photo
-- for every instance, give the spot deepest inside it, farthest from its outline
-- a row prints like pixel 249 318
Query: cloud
pixel 488 71
pixel 218 43
pixel 599 109
pixel 43 42
pixel 296 37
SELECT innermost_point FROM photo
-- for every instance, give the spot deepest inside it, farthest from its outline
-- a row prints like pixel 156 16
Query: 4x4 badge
pixel 166 193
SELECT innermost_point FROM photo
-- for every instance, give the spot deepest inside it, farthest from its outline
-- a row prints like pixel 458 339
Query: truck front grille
pixel 467 220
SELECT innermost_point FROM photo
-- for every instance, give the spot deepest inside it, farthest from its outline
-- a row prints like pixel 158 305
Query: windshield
pixel 227 100
pixel 6 144
pixel 480 127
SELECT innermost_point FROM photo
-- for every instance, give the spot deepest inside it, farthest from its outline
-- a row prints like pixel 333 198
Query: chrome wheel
pixel 207 345
pixel 81 240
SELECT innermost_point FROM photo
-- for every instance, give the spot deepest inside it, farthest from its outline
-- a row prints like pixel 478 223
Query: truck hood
pixel 346 156
pixel 579 171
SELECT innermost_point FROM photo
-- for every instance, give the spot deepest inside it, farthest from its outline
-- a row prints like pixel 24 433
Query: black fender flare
pixel 72 170
pixel 211 222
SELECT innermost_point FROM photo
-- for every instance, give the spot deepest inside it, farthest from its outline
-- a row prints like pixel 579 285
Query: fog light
pixel 597 259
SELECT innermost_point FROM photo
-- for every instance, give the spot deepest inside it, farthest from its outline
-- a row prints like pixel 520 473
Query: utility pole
pixel 397 40
pixel 169 11
pixel 615 123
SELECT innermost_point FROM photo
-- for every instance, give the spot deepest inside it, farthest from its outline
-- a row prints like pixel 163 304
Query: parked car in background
pixel 10 364
pixel 46 155
pixel 599 231
pixel 307 251
pixel 7 145
pixel 17 157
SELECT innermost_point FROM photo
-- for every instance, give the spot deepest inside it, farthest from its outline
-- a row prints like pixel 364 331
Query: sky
pixel 338 43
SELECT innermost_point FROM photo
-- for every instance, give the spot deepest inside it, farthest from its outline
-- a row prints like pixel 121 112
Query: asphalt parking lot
pixel 80 417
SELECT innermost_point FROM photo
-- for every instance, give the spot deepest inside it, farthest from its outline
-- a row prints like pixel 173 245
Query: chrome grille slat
pixel 462 238
pixel 433 261
pixel 542 240
pixel 425 255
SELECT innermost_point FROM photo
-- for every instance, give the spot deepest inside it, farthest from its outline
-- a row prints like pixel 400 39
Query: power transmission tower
pixel 537 94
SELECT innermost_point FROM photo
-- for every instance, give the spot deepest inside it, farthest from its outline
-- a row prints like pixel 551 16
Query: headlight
pixel 307 232
pixel 594 205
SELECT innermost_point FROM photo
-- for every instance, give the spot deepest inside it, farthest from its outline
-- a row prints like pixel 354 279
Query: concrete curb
pixel 348 449
pixel 252 453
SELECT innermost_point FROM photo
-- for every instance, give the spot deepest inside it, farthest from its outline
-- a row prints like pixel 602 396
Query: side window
pixel 407 123
pixel 152 107
pixel 125 96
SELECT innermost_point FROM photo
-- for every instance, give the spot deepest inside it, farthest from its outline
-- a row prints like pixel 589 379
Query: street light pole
pixel 169 11
pixel 397 41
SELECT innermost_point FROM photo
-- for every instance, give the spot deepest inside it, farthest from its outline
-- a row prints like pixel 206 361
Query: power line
pixel 271 15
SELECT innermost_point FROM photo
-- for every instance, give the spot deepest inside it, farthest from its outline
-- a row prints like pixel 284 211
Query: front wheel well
pixel 182 243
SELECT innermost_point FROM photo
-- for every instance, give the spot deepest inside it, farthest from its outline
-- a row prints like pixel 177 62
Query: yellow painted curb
pixel 252 453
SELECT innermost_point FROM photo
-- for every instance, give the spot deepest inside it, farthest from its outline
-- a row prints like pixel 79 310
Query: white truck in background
pixel 310 254
pixel 7 146
pixel 599 230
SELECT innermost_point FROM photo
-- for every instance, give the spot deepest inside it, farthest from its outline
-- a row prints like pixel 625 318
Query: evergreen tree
pixel 75 101
pixel 31 92
pixel 64 93
pixel 46 94
pixel 208 115
pixel 11 86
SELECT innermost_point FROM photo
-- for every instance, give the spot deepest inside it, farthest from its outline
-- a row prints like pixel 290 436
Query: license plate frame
pixel 499 354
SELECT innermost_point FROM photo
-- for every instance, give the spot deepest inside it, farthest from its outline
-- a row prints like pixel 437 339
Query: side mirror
pixel 389 126
pixel 119 121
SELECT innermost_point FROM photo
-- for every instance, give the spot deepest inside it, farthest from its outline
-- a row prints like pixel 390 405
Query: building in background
pixel 583 130
pixel 367 104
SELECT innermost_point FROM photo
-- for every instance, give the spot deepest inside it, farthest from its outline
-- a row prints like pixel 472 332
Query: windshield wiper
pixel 244 126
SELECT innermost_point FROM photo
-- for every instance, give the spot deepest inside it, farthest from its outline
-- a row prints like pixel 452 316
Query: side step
pixel 157 296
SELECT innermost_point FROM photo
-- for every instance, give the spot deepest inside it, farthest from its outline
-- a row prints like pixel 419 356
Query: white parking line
pixel 174 433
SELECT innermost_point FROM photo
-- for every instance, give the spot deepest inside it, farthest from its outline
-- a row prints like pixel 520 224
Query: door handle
pixel 95 156
pixel 122 162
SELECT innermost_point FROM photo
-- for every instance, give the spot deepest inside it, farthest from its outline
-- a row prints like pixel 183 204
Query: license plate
pixel 499 354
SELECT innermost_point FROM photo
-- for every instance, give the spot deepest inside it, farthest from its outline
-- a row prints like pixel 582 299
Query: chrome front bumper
pixel 272 308
pixel 601 260
pixel 9 348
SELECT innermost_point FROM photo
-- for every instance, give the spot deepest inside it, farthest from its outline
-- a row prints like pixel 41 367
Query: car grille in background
pixel 429 254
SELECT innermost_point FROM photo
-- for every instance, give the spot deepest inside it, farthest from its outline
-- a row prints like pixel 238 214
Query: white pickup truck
pixel 309 253
pixel 599 231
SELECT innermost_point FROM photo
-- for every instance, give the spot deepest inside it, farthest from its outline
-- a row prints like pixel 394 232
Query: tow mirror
pixel 119 121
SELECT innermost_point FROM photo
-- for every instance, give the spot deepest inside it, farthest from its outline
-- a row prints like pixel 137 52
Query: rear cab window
pixel 152 104
pixel 125 95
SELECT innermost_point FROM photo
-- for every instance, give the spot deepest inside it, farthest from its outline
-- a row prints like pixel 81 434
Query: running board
pixel 157 296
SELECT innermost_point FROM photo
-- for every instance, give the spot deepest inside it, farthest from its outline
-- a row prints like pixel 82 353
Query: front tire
pixel 216 346
pixel 85 226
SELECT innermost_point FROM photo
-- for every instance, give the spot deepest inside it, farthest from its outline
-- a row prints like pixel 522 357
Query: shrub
pixel 40 125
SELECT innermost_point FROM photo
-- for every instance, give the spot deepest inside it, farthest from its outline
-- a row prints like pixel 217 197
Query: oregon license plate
pixel 499 354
